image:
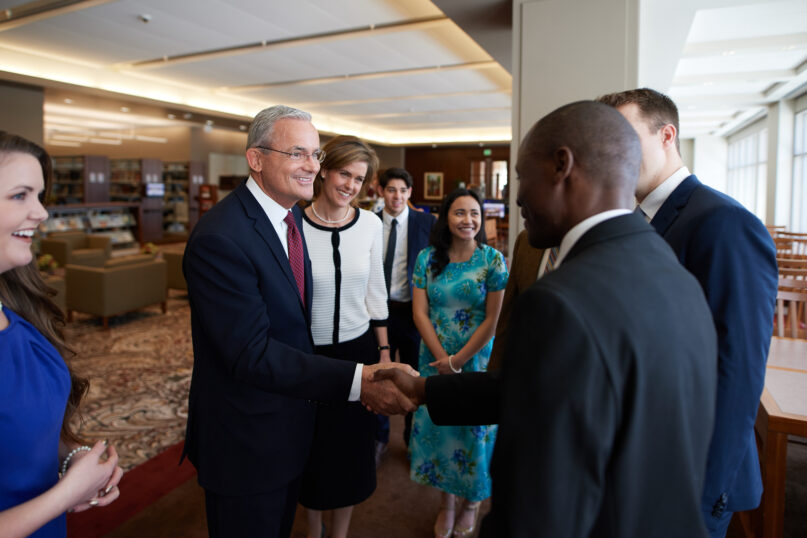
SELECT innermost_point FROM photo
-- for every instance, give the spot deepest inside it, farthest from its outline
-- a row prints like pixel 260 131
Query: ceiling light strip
pixel 313 104
pixel 440 112
pixel 421 23
pixel 754 44
pixel 38 10
pixel 364 76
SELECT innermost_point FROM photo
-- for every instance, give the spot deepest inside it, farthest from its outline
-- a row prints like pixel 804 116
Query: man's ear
pixel 254 159
pixel 668 134
pixel 563 161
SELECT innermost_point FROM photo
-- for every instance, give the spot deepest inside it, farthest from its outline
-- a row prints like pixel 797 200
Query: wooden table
pixel 782 411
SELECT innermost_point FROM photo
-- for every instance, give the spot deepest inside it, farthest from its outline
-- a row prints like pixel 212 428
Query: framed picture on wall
pixel 433 185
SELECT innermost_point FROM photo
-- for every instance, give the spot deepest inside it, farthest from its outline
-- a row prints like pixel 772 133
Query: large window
pixel 798 211
pixel 747 168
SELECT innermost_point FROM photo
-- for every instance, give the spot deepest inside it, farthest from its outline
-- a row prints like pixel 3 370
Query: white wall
pixel 709 162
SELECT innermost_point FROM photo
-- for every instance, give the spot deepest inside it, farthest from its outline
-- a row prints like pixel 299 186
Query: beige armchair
pixel 77 248
pixel 173 266
pixel 122 286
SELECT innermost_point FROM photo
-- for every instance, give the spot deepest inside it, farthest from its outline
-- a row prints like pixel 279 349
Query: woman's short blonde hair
pixel 345 150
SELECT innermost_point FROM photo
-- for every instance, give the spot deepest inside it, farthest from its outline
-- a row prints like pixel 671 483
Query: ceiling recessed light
pixel 171 116
pixel 209 122
pixel 124 109
pixel 68 101
pixel 242 127
pixel 187 115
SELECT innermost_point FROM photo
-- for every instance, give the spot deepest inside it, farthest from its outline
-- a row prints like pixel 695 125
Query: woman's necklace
pixel 314 209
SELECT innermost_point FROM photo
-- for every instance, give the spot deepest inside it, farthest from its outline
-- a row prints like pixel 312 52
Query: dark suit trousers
pixel 404 338
pixel 268 514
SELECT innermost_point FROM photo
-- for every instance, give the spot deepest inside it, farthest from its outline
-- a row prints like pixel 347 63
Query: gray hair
pixel 264 123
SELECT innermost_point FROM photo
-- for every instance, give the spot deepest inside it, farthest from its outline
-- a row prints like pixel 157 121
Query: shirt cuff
pixel 355 388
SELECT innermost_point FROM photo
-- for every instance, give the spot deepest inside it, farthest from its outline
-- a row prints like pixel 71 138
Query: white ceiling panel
pixel 736 59
pixel 356 56
pixel 749 21
pixel 739 63
pixel 441 82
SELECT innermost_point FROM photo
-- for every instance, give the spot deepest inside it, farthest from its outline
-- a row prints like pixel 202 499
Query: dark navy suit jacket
pixel 733 257
pixel 250 418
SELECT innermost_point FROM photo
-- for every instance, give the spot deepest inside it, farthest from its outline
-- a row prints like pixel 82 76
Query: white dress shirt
pixel 276 213
pixel 653 201
pixel 399 283
pixel 579 229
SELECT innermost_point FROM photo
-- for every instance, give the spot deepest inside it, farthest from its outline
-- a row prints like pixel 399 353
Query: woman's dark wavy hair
pixel 441 237
pixel 23 291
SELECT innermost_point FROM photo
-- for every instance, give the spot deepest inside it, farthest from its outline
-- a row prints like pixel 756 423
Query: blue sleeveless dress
pixel 34 387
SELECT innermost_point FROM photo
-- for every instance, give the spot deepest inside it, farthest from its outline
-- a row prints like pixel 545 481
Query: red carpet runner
pixel 139 488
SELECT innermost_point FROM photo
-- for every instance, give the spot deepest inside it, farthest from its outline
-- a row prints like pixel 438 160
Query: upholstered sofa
pixel 77 248
pixel 173 267
pixel 122 285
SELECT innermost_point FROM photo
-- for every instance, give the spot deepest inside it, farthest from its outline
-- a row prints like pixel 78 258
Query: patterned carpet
pixel 140 373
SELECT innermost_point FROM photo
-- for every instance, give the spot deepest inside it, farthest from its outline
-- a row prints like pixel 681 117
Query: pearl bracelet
pixel 450 365
pixel 70 456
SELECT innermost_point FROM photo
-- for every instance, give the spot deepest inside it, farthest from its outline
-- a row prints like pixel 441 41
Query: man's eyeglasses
pixel 317 154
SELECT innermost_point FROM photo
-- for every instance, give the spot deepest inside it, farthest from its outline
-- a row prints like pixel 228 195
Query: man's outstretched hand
pixel 381 395
pixel 413 388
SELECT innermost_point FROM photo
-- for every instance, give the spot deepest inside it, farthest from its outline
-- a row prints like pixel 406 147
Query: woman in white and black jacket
pixel 348 322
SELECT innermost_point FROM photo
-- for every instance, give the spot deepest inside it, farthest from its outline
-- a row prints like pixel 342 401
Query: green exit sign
pixel 487 152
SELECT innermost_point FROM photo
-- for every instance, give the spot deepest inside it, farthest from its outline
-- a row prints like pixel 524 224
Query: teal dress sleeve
pixel 497 271
pixel 420 273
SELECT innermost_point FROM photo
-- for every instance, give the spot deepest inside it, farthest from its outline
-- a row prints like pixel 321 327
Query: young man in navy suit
pixel 733 257
pixel 412 230
pixel 251 407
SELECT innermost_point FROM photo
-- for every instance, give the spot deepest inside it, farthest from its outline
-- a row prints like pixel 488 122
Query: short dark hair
pixel 395 173
pixel 656 107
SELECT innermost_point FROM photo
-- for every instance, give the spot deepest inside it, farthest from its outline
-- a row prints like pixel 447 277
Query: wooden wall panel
pixel 453 161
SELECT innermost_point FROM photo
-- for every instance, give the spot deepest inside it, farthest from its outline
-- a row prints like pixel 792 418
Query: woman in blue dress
pixel 458 288
pixel 38 393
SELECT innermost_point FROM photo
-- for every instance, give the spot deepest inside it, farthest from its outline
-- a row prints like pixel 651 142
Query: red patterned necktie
pixel 295 244
pixel 551 260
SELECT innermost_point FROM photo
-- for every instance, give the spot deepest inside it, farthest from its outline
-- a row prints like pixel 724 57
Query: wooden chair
pixel 784 246
pixel 798 274
pixel 790 301
pixel 791 263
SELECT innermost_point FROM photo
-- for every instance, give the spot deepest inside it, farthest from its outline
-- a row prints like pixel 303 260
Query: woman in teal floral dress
pixel 458 288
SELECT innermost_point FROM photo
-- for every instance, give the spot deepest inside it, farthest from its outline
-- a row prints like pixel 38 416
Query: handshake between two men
pixel 392 388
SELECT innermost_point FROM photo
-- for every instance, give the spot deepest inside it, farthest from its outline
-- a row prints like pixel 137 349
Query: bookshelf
pixel 116 220
pixel 80 179
pixel 127 184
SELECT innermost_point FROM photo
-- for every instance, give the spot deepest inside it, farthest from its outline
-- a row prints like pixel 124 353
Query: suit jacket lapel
pixel 267 232
pixel 630 223
pixel 669 210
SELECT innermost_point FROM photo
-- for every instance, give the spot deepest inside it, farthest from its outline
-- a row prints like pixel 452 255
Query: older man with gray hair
pixel 255 380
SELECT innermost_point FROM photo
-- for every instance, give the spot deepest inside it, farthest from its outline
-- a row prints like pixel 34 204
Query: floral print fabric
pixel 455 459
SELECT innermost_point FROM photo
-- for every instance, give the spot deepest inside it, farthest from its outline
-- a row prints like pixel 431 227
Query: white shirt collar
pixel 653 201
pixel 579 229
pixel 401 218
pixel 274 211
